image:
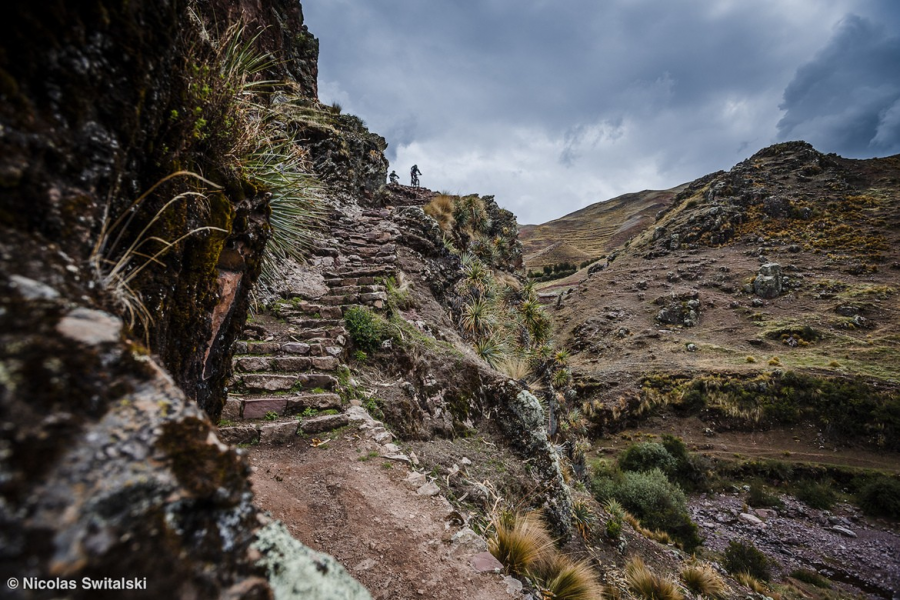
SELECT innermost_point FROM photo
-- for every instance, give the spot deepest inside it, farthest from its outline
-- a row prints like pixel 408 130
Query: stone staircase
pixel 289 363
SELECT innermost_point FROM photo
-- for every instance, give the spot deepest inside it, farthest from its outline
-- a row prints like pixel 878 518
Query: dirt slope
pixel 595 229
pixel 338 500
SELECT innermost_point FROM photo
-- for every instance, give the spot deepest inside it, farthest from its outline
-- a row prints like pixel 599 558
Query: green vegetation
pixel 759 496
pixel 816 495
pixel 881 498
pixel 271 416
pixel 743 557
pixel 368 456
pixel 810 577
pixel 652 498
pixel 559 270
pixel 367 329
pixel 843 405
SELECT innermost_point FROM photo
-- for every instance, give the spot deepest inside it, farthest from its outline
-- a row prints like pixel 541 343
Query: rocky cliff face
pixel 124 278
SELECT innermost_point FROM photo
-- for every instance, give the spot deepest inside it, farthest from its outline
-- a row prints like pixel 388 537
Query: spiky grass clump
pixel 515 367
pixel 751 582
pixel 490 350
pixel 647 584
pixel 703 580
pixel 520 541
pixel 441 210
pixel 561 578
pixel 584 518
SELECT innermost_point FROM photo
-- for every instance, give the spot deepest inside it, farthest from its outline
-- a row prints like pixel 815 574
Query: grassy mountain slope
pixel 676 314
pixel 594 230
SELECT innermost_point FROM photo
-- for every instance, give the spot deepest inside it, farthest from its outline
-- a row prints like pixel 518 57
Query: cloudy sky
pixel 552 105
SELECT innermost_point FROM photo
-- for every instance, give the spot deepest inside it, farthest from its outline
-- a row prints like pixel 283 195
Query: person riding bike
pixel 394 177
pixel 414 175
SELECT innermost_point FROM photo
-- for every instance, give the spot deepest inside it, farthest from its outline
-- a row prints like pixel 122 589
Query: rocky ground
pixel 841 544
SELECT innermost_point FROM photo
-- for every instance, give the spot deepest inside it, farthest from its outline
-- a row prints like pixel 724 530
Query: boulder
pixel 769 282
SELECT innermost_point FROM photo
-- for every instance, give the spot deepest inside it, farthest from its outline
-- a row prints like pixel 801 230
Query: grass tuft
pixel 561 578
pixel 703 580
pixel 644 583
pixel 520 541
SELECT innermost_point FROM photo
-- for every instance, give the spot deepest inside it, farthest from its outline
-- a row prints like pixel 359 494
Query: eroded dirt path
pixel 338 499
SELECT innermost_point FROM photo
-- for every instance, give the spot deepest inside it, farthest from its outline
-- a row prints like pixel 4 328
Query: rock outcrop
pixel 114 351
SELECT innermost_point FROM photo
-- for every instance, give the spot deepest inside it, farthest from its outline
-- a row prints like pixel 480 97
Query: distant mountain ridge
pixel 594 230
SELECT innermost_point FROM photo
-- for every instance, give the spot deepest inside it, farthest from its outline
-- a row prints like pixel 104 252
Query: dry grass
pixel 703 580
pixel 116 269
pixel 653 534
pixel 751 582
pixel 561 578
pixel 646 584
pixel 441 210
pixel 515 367
pixel 520 541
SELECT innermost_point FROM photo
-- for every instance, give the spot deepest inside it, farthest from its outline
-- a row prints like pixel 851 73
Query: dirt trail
pixel 364 514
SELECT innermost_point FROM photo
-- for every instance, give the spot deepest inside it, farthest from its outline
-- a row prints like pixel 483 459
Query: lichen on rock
pixel 297 573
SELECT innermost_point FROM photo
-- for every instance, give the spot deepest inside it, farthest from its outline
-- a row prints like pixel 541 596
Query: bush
pixel 810 577
pixel 652 498
pixel 759 497
pixel 690 469
pixel 365 327
pixel 741 557
pixel 647 456
pixel 881 498
pixel 816 495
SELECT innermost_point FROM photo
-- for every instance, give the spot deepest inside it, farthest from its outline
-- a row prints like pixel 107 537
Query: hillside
pixel 593 231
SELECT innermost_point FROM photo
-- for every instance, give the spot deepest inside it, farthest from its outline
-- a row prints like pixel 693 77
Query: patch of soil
pixel 340 500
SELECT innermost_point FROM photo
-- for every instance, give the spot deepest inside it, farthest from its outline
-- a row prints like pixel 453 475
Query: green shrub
pixel 652 498
pixel 613 529
pixel 367 330
pixel 759 497
pixel 741 557
pixel 816 495
pixel 271 416
pixel 881 498
pixel 647 456
pixel 690 469
pixel 810 577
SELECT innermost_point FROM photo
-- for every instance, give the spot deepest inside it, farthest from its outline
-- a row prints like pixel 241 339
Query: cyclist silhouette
pixel 394 177
pixel 414 175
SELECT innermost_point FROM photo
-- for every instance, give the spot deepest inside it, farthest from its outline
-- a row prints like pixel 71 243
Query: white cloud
pixel 553 106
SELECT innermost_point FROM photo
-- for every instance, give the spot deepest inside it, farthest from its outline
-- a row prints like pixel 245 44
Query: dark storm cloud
pixel 847 99
pixel 555 105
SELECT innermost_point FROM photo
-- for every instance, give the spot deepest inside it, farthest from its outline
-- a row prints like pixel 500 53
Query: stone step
pixel 260 364
pixel 268 382
pixel 296 381
pixel 308 347
pixel 350 290
pixel 369 271
pixel 324 423
pixel 259 407
pixel 306 323
pixel 282 431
